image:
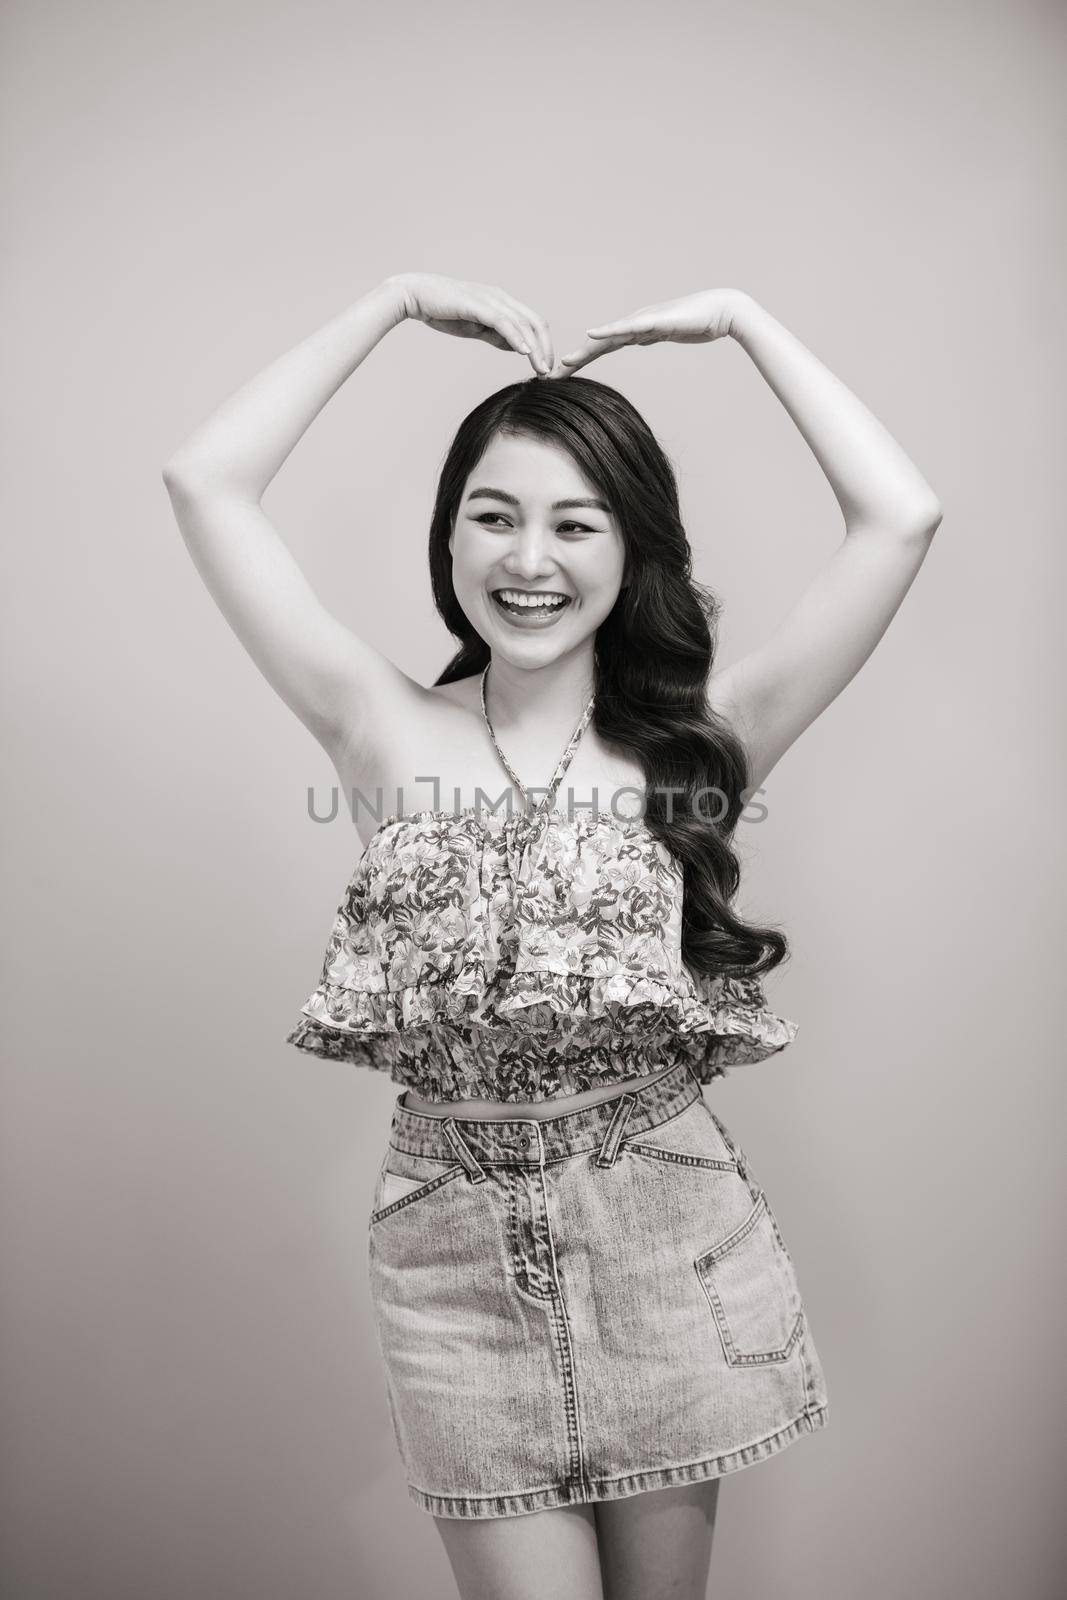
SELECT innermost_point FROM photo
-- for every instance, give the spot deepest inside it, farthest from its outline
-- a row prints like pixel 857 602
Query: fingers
pixel 537 335
pixel 589 351
pixel 580 358
pixel 522 337
pixel 544 342
pixel 644 321
pixel 645 326
pixel 641 320
pixel 603 338
pixel 514 332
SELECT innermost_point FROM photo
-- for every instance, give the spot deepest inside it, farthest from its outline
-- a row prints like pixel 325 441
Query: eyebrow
pixel 592 502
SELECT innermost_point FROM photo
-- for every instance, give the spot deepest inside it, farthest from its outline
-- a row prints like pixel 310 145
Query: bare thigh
pixel 659 1543
pixel 525 1558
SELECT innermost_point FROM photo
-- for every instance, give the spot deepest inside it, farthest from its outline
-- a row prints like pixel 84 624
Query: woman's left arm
pixel 890 514
pixel 777 690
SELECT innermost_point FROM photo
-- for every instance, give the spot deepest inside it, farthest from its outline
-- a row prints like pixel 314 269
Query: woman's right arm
pixel 330 678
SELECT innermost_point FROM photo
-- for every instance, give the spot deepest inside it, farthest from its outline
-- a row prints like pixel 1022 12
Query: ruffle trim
pixel 438 1078
pixel 724 1007
pixel 721 1017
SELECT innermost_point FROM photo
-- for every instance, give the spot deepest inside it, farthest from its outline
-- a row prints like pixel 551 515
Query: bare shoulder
pixel 404 729
pixel 463 693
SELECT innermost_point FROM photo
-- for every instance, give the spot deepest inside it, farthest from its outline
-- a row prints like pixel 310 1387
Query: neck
pixel 525 697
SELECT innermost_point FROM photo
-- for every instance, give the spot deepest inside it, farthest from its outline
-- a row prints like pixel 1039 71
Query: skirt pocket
pixel 692 1138
pixel 752 1290
pixel 406 1180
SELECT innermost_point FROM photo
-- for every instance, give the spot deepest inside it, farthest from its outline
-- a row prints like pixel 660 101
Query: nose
pixel 529 557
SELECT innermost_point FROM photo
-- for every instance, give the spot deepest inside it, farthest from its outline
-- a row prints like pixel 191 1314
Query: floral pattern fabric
pixel 478 956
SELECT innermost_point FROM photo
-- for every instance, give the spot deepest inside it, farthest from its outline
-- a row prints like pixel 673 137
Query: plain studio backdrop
pixel 192 1396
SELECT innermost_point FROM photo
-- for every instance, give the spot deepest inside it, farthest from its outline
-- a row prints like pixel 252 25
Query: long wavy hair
pixel 653 653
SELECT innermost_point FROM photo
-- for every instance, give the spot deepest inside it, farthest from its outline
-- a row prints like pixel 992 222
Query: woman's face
pixel 525 527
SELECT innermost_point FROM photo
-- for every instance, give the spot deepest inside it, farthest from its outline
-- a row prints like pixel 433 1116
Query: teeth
pixel 517 598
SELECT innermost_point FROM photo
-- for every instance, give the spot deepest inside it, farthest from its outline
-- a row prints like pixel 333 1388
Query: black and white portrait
pixel 532 1059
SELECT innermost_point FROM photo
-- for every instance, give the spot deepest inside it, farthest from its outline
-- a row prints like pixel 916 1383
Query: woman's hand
pixel 476 311
pixel 695 319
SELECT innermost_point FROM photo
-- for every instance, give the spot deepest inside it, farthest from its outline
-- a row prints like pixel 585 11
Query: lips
pixel 533 616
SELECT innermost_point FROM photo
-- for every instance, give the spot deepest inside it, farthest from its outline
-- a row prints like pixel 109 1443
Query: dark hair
pixel 653 653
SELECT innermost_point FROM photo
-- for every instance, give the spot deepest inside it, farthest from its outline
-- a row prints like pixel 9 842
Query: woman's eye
pixel 490 518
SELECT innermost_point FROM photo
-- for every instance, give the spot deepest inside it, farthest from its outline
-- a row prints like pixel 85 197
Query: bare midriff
pixel 523 1110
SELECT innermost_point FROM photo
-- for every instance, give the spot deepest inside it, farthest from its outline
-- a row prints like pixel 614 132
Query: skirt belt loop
pixel 475 1170
pixel 609 1150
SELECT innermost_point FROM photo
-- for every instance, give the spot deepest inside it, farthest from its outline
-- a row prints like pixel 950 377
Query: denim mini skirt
pixel 585 1307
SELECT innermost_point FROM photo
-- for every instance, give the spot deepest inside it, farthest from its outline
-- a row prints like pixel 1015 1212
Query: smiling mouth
pixel 526 602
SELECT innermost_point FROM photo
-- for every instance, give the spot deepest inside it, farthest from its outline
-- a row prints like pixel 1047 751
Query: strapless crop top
pixel 478 956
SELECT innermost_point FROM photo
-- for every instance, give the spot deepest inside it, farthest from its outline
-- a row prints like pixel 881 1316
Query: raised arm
pixel 890 515
pixel 324 673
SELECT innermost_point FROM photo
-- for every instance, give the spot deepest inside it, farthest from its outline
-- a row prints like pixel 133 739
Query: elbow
pixel 928 521
pixel 188 478
pixel 924 510
pixel 917 523
pixel 921 522
pixel 185 479
pixel 175 474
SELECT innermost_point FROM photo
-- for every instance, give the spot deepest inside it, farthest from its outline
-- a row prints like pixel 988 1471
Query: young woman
pixel 586 1310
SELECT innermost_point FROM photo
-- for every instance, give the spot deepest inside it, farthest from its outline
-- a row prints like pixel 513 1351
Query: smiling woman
pixel 580 1289
pixel 533 560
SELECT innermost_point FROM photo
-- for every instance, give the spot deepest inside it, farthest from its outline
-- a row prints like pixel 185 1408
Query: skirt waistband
pixel 534 1141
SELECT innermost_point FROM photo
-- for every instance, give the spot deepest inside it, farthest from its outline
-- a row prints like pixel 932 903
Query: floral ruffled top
pixel 478 956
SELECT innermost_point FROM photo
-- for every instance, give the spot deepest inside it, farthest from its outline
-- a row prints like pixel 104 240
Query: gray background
pixel 191 1393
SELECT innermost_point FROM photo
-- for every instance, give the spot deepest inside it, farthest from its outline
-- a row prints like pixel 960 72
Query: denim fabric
pixel 583 1307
